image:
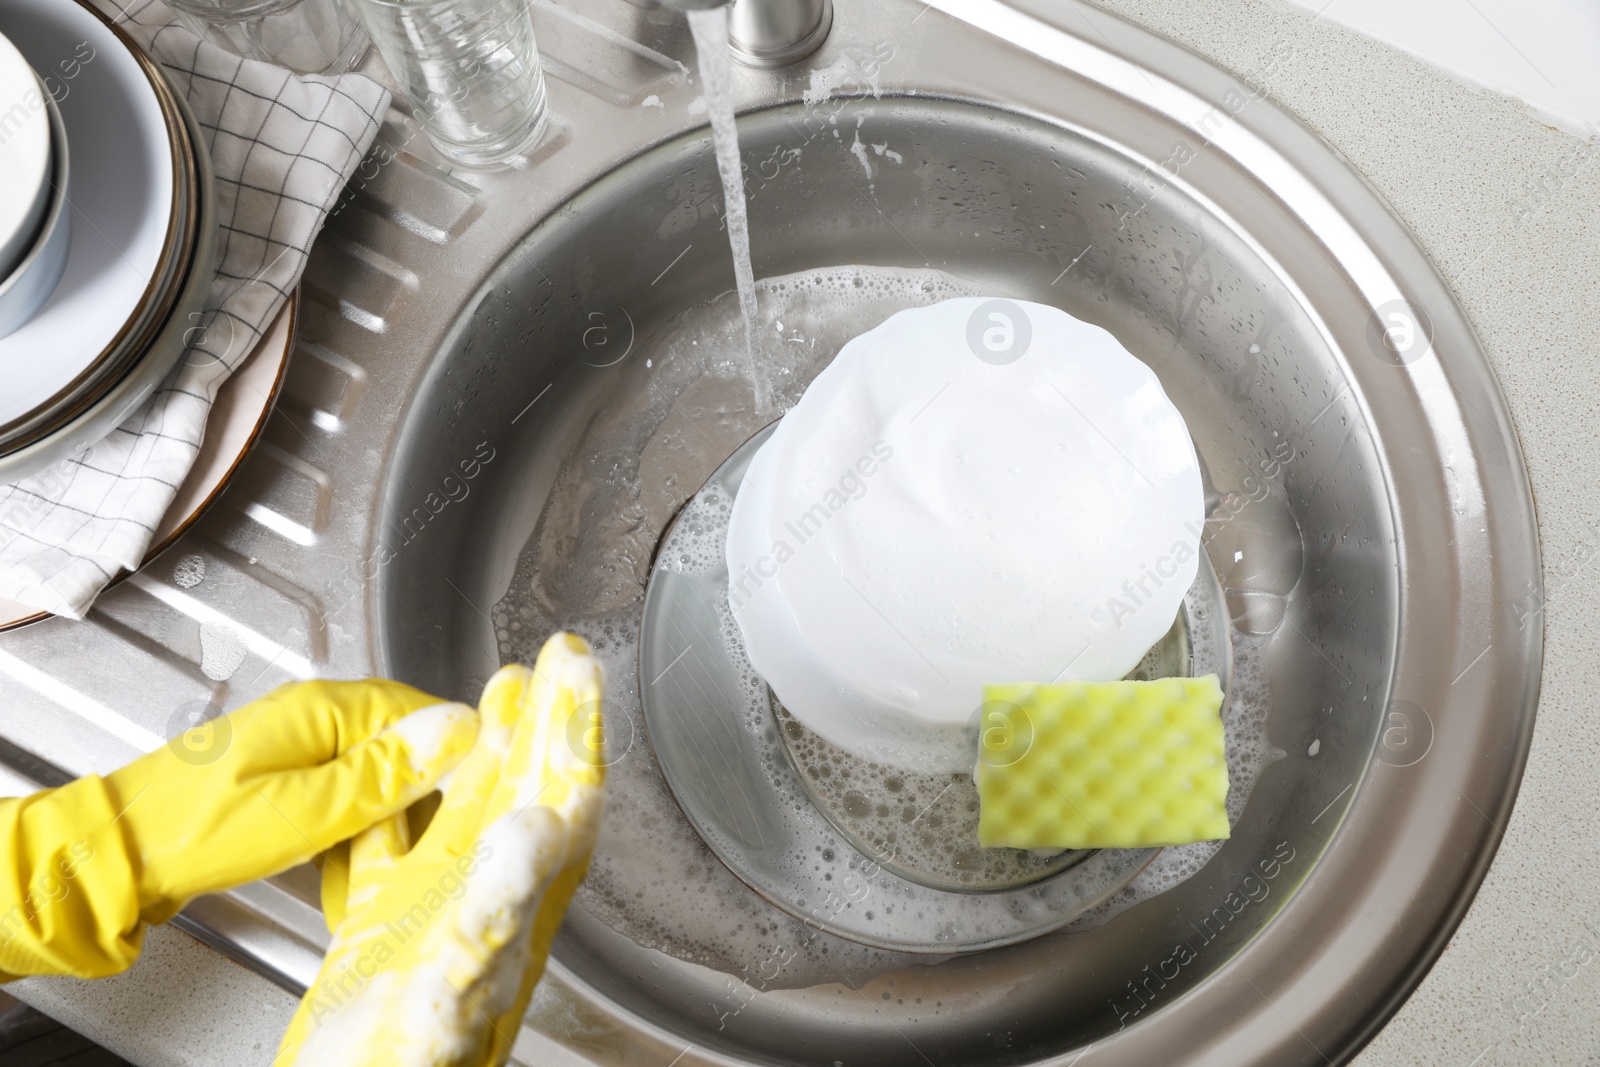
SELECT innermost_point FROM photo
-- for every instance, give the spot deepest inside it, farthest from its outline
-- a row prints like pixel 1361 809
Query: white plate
pixel 122 197
pixel 24 156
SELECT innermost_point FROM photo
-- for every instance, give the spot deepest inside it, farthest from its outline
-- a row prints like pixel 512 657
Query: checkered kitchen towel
pixel 282 147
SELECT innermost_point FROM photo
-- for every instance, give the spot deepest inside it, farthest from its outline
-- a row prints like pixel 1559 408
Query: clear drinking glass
pixel 307 36
pixel 470 70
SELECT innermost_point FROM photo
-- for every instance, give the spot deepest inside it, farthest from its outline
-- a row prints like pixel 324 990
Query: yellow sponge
pixel 1102 765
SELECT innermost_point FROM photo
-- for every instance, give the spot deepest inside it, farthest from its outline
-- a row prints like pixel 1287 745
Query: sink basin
pixel 476 344
pixel 1368 520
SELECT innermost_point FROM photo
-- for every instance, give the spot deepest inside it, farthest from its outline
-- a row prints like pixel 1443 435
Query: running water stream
pixel 710 29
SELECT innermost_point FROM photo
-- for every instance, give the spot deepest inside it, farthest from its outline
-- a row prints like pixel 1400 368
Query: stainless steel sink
pixel 473 339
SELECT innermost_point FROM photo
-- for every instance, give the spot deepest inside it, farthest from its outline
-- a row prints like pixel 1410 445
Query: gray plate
pixel 164 351
pixel 33 277
pixel 164 288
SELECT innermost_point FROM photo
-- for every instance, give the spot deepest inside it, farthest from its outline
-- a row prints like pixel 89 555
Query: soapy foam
pixel 425 732
pixel 928 823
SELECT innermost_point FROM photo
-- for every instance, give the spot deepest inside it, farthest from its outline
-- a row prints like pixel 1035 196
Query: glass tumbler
pixel 307 36
pixel 470 69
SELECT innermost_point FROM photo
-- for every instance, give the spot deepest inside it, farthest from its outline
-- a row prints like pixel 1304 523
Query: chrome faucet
pixel 771 33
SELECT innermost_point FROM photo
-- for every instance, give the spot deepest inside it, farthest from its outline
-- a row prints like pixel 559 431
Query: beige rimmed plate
pixel 237 418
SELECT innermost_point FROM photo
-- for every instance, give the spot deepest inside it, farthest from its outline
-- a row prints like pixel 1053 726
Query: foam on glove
pixel 439 945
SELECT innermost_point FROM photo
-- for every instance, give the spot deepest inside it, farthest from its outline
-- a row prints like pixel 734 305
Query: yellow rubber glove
pixel 437 947
pixel 245 796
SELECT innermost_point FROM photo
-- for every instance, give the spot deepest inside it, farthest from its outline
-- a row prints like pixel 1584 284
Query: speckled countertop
pixel 1509 209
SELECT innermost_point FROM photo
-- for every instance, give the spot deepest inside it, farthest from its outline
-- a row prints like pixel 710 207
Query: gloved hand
pixel 437 946
pixel 245 796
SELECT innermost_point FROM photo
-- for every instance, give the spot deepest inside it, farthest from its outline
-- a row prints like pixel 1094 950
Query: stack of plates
pixel 30 166
pixel 129 186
